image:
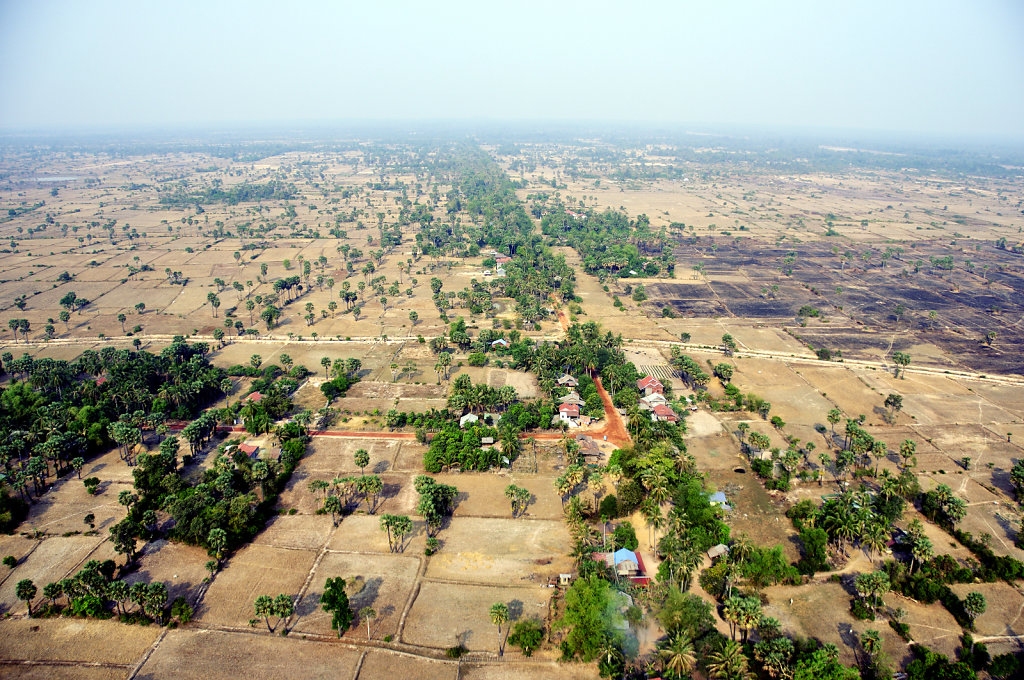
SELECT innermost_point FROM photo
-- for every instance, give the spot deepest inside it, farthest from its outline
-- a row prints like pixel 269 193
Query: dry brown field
pixel 739 227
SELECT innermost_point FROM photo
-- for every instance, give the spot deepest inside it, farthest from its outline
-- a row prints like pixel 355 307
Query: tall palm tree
pixel 499 617
pixel 679 656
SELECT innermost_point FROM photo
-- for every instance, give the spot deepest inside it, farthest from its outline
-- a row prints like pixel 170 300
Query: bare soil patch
pixel 430 620
pixel 82 640
pixel 253 571
pixel 484 550
pixel 383 582
pixel 215 655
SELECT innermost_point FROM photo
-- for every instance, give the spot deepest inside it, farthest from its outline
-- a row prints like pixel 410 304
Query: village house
pixel 588 448
pixel 650 385
pixel 626 564
pixel 569 414
pixel 663 413
pixel 717 551
pixel 651 400
pixel 568 381
pixel 572 398
pixel 718 500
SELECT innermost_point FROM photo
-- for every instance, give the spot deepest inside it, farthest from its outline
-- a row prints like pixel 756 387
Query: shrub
pixel 902 629
pixel 624 536
pixel 527 635
pixel 861 611
pixel 609 508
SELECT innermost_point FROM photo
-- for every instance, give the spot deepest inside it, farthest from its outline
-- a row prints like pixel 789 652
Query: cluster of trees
pixel 273 190
pixel 337 496
pixel 345 374
pixel 224 508
pixel 436 501
pixel 465 396
pixel 609 242
pixel 94 592
pixel 455 447
pixel 56 414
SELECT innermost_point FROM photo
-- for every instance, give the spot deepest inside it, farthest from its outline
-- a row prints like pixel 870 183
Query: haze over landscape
pixel 508 341
pixel 935 67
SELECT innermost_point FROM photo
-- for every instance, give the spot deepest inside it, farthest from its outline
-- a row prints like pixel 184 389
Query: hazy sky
pixel 933 66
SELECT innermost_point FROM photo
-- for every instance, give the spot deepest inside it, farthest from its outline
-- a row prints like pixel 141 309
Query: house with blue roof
pixel 718 500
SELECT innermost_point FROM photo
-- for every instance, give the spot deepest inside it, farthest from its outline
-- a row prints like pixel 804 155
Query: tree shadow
pixel 367 596
pixel 848 636
pixel 381 467
pixel 515 610
pixel 387 492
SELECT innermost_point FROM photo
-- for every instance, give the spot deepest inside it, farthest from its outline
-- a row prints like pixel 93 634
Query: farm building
pixel 568 381
pixel 572 398
pixel 588 447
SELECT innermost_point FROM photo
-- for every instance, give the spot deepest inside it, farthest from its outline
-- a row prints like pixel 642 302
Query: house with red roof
pixel 254 397
pixel 569 413
pixel 663 413
pixel 650 385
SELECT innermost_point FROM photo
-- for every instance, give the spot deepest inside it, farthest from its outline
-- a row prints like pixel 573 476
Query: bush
pixel 764 469
pixel 609 507
pixel 477 359
pixel 630 496
pixel 624 536
pixel 861 611
pixel 527 635
pixel 902 629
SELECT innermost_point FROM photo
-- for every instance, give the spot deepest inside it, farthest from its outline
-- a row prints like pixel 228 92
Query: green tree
pixel 283 607
pixel 586 602
pixel 367 614
pixel 528 634
pixel 728 662
pixel 334 600
pixel 217 540
pixel 678 655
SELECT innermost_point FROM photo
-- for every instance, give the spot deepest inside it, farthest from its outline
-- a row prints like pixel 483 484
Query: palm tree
pixel 729 663
pixel 499 617
pixel 871 640
pixel 731 614
pixel 873 538
pixel 678 655
pixel 264 607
